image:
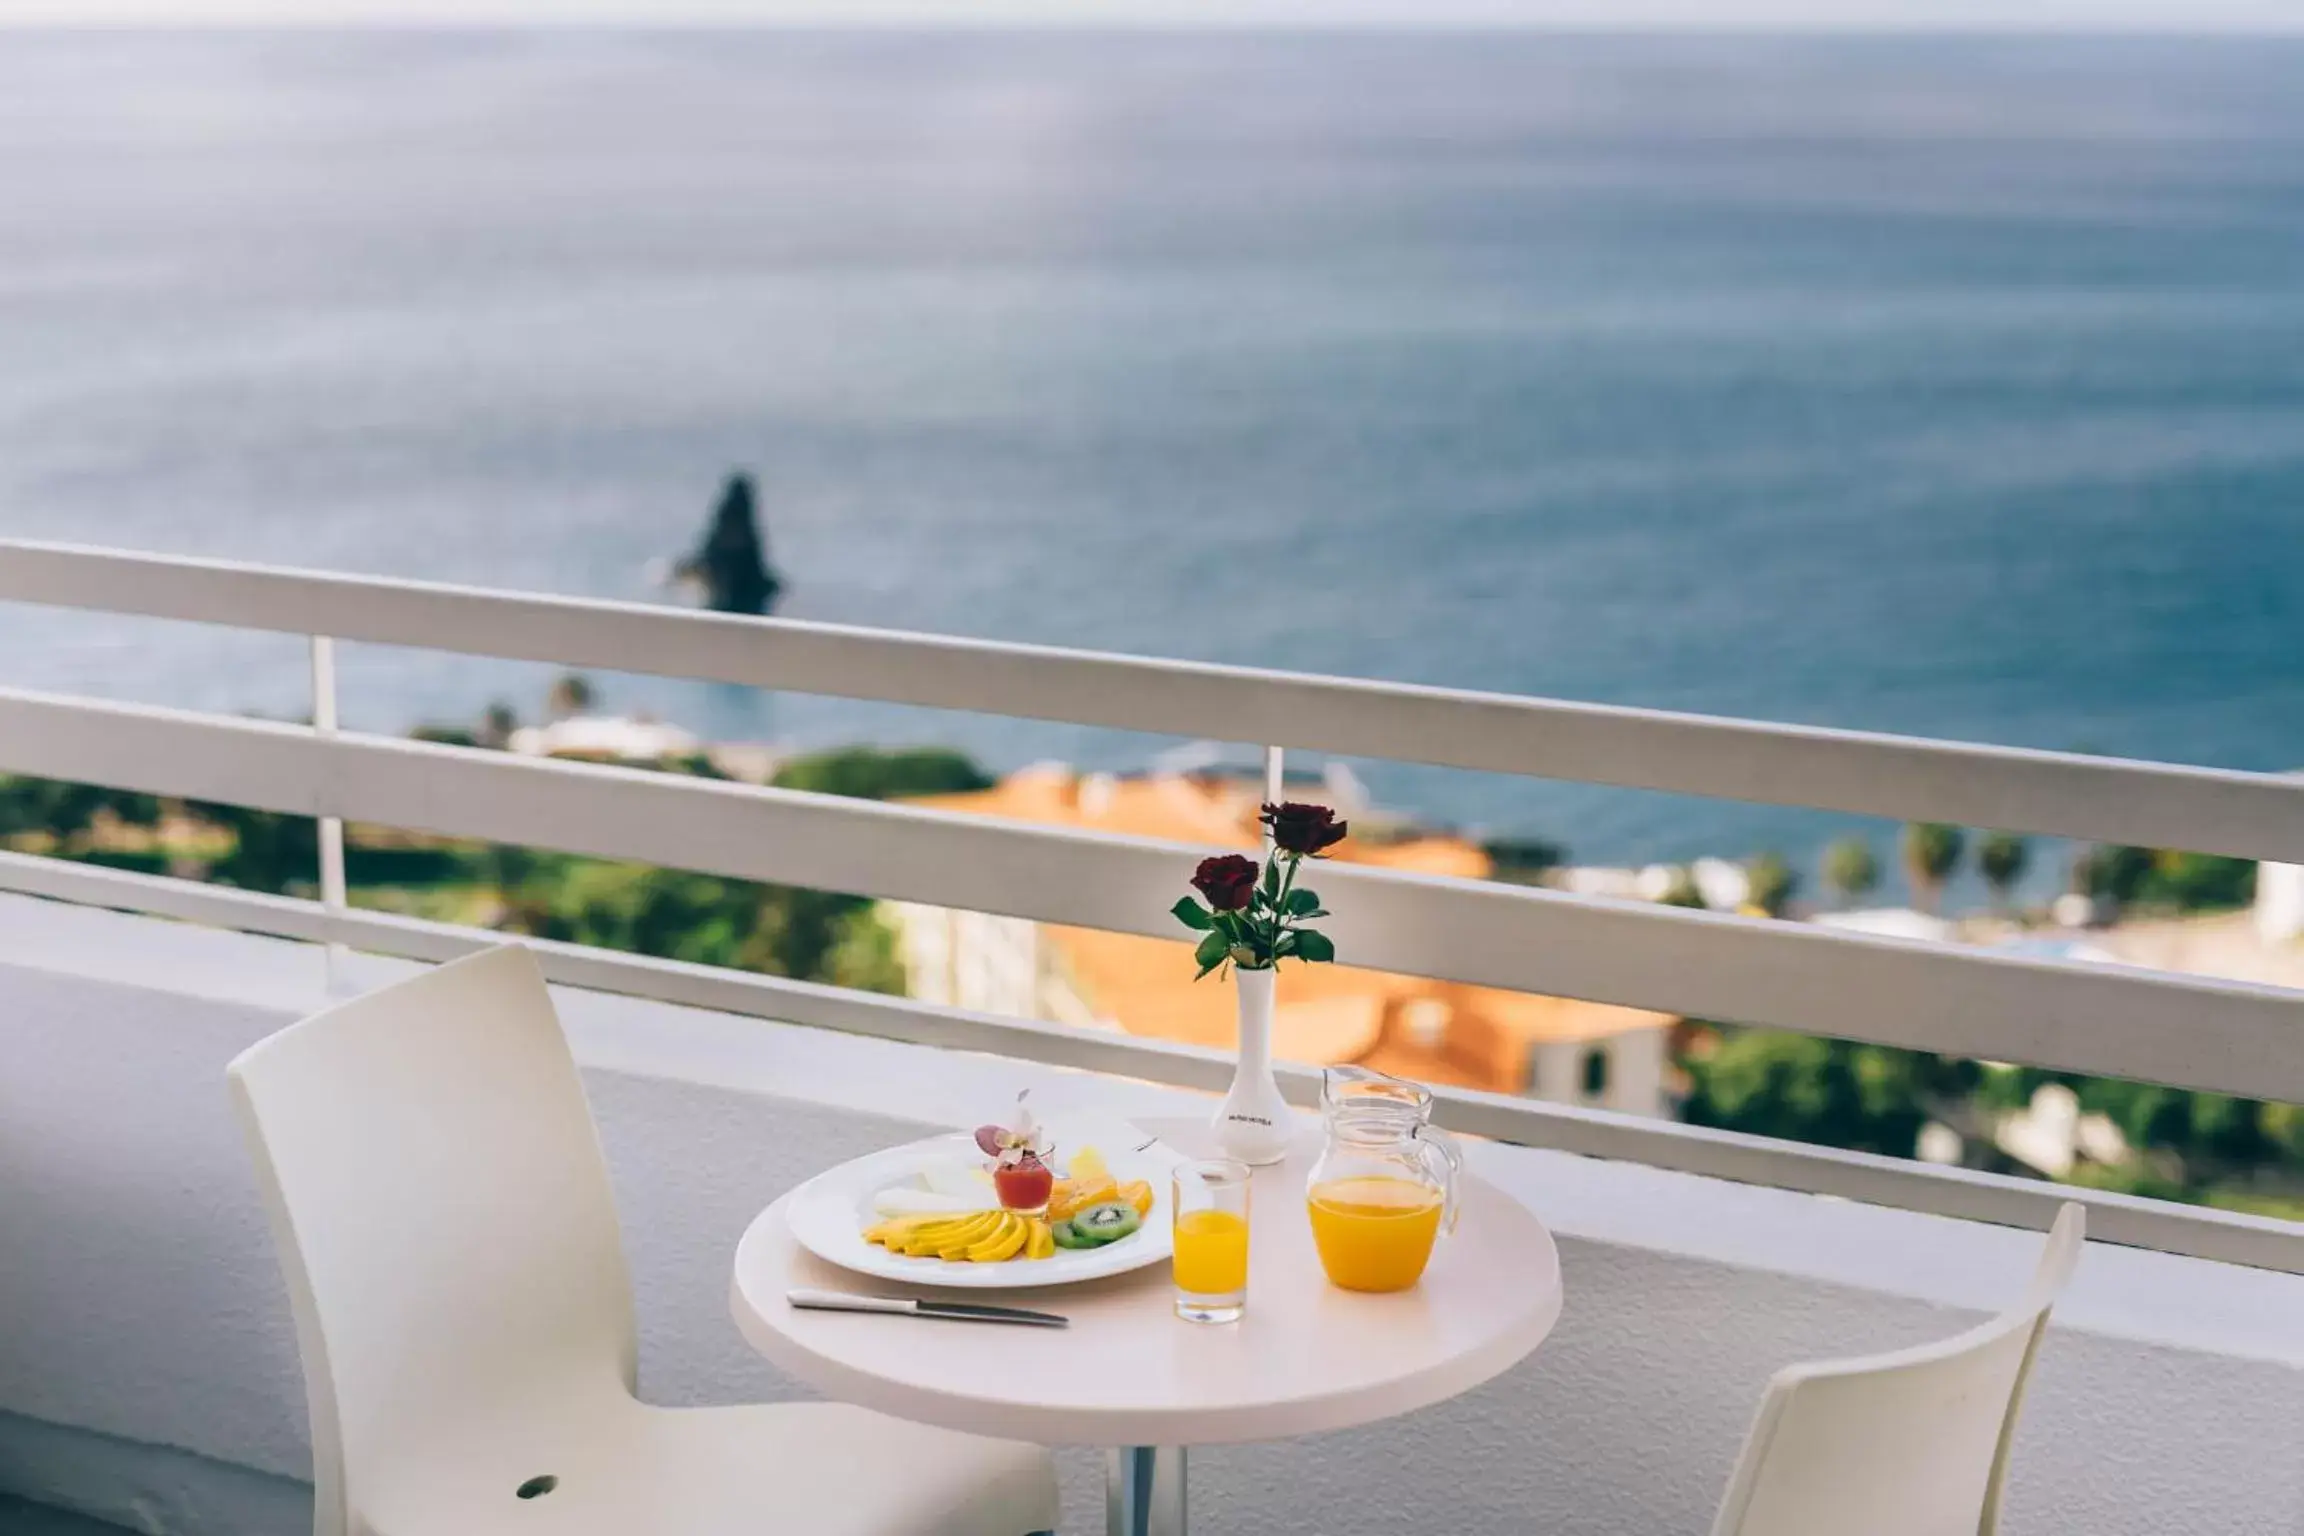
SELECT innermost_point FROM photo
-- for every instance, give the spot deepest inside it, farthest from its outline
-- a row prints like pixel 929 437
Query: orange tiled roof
pixel 1323 1013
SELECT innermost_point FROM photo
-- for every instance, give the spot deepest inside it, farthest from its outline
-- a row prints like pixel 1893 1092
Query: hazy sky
pixel 1994 15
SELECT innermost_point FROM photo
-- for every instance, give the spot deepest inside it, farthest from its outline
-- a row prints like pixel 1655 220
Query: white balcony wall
pixel 1636 1071
pixel 974 960
pixel 148 1373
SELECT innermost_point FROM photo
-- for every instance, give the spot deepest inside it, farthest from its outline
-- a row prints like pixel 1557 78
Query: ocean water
pixel 1950 387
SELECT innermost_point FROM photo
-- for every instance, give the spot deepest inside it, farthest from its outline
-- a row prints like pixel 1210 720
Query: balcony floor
pixel 18 1518
pixel 166 1390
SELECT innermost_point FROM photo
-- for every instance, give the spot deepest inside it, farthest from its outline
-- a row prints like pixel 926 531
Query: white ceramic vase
pixel 1253 1124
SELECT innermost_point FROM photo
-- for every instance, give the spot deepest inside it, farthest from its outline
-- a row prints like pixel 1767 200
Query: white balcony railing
pixel 2189 1032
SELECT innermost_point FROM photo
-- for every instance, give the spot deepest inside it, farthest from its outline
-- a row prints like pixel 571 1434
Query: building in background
pixel 2279 907
pixel 605 738
pixel 1435 1031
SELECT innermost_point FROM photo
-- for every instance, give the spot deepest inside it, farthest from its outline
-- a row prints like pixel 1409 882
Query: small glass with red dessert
pixel 1021 1176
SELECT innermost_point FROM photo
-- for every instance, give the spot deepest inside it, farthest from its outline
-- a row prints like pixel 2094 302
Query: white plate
pixel 829 1213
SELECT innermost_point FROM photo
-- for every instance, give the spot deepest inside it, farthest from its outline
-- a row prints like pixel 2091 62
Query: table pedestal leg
pixel 1144 1491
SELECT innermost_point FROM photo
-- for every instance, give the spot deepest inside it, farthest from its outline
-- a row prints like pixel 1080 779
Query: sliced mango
pixel 899 1235
pixel 1002 1245
pixel 955 1245
pixel 975 1228
pixel 979 1237
pixel 956 1235
pixel 896 1228
pixel 1138 1194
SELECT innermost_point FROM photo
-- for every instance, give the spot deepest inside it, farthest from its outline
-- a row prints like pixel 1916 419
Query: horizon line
pixel 86 26
pixel 1018 16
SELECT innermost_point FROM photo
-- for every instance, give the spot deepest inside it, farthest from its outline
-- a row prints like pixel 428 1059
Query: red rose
pixel 1227 881
pixel 1303 829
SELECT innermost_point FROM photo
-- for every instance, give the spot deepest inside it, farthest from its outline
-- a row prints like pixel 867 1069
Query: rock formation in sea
pixel 731 564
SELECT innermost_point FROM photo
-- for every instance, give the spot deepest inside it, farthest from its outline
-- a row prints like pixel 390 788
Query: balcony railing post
pixel 332 899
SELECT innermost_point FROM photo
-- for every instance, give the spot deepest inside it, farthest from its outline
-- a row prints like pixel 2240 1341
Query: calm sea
pixel 1951 387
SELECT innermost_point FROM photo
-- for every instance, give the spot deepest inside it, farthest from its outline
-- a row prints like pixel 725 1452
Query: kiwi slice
pixel 1107 1222
pixel 1068 1236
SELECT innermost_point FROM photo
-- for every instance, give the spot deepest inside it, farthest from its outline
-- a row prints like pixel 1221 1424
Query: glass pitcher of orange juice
pixel 1385 1185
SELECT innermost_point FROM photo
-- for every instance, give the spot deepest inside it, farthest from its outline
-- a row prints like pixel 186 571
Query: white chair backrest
pixel 441 1209
pixel 1907 1444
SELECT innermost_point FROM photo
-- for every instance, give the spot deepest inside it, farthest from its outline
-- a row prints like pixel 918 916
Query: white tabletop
pixel 1307 1357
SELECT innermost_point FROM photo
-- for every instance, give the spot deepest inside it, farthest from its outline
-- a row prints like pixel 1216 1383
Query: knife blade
pixel 908 1306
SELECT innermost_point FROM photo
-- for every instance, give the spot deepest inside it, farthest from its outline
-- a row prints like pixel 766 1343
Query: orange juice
pixel 1211 1252
pixel 1374 1234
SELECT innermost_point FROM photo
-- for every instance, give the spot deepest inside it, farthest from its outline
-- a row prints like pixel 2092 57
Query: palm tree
pixel 2001 857
pixel 1682 892
pixel 1769 883
pixel 497 725
pixel 2112 875
pixel 1850 869
pixel 571 695
pixel 1931 853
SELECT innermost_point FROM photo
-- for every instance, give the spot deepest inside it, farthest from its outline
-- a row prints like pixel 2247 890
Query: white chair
pixel 1907 1444
pixel 444 1219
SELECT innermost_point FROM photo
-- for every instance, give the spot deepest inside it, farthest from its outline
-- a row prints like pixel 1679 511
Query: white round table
pixel 1131 1377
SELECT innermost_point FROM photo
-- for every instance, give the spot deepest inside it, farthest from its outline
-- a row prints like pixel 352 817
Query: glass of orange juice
pixel 1211 1206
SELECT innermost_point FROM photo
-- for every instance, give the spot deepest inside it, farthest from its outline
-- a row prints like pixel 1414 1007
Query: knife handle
pixel 843 1301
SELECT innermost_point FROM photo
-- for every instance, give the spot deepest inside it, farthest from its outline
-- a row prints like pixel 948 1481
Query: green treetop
pixel 1771 883
pixel 2001 857
pixel 1851 869
pixel 1931 853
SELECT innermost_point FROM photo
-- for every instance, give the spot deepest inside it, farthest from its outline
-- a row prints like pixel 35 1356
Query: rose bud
pixel 1303 830
pixel 1227 881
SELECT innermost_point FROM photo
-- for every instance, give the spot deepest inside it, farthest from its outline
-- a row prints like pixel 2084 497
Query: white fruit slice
pixel 951 1176
pixel 904 1200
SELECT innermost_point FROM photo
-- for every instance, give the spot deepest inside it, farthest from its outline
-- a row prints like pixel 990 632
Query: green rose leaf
pixel 1313 946
pixel 1271 879
pixel 1302 903
pixel 1192 915
pixel 1211 952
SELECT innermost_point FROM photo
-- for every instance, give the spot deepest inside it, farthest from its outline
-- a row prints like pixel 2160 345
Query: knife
pixel 907 1306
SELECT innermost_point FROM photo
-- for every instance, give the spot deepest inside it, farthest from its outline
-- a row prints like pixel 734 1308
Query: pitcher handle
pixel 1451 1165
